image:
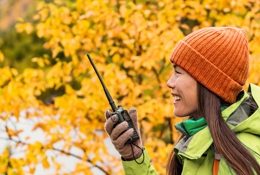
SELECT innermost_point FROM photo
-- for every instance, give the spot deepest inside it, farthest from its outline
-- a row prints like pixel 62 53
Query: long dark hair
pixel 225 141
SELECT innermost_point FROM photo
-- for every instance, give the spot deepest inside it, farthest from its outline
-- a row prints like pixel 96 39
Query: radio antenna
pixel 110 99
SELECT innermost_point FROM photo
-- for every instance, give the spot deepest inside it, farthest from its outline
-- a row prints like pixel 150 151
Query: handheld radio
pixel 122 114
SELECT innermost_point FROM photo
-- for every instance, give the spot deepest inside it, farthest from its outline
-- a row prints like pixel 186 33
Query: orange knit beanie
pixel 217 57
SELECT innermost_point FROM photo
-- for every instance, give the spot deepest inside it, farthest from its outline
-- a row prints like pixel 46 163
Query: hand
pixel 120 134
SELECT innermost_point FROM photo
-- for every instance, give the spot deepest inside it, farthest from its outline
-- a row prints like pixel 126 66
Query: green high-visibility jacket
pixel 196 152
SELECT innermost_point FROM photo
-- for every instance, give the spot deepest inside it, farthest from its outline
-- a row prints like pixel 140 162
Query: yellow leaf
pixel 45 162
pixel 1 56
pixel 24 27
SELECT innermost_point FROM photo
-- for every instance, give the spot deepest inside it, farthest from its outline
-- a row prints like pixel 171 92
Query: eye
pixel 177 72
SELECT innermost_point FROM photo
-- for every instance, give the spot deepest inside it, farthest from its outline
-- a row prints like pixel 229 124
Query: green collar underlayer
pixel 191 126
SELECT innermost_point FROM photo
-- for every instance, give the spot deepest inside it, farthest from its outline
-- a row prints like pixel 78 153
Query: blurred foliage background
pixel 46 79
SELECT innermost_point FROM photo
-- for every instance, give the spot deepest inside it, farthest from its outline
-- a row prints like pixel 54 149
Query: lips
pixel 176 97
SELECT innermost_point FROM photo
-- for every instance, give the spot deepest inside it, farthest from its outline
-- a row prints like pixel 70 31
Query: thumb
pixel 133 114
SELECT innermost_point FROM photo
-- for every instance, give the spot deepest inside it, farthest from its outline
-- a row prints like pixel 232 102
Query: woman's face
pixel 184 91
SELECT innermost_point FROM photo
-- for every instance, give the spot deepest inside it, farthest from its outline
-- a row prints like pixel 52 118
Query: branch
pixel 170 124
pixel 156 75
pixel 80 158
pixel 61 151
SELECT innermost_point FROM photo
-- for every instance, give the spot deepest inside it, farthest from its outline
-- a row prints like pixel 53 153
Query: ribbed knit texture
pixel 217 57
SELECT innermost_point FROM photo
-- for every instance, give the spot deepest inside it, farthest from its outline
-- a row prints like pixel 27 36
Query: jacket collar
pixel 195 146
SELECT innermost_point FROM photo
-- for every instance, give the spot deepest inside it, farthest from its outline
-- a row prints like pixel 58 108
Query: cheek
pixel 192 97
pixel 187 106
pixel 189 103
pixel 192 100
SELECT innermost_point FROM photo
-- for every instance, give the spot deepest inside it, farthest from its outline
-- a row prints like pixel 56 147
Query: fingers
pixel 122 139
pixel 108 113
pixel 133 114
pixel 110 122
pixel 118 130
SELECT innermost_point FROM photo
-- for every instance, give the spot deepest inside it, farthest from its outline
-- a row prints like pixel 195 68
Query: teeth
pixel 177 98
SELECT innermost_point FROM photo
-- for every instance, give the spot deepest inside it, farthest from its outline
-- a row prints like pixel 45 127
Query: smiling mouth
pixel 176 98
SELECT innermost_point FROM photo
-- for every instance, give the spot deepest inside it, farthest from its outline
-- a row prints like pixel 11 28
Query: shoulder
pixel 251 143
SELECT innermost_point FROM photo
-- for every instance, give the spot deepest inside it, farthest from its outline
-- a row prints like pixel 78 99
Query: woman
pixel 222 135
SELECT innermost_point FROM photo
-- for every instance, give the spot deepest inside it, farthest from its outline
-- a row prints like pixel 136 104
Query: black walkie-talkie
pixel 119 111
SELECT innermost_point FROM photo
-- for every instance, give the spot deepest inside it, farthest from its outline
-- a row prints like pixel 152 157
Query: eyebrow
pixel 174 66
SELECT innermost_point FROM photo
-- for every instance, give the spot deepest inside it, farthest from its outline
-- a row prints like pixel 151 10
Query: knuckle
pixel 131 132
pixel 125 124
pixel 116 143
pixel 114 118
pixel 106 126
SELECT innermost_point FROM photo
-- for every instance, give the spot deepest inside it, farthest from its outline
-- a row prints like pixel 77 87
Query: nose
pixel 171 81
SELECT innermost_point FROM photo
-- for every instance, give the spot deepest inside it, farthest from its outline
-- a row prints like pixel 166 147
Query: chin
pixel 179 114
